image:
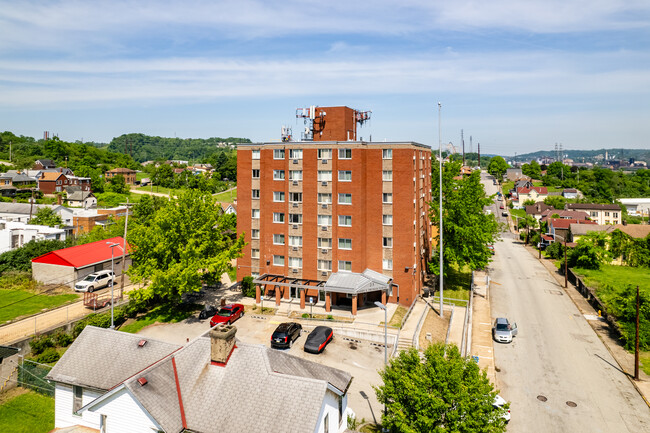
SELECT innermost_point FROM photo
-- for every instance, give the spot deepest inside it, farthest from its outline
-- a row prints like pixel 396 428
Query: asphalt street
pixel 557 374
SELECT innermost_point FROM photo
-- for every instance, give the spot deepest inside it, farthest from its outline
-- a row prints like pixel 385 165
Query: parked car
pixel 501 207
pixel 318 339
pixel 491 248
pixel 503 331
pixel 285 334
pixel 504 214
pixel 227 314
pixel 498 403
pixel 208 311
pixel 94 281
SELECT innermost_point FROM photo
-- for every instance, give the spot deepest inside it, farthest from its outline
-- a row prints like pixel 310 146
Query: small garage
pixel 69 265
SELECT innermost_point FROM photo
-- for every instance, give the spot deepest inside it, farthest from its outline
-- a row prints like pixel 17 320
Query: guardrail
pixel 401 325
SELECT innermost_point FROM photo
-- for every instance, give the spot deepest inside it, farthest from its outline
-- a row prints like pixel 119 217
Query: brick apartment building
pixel 309 209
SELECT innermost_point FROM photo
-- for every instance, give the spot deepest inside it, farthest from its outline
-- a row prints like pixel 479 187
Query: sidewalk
pixel 624 358
pixel 482 344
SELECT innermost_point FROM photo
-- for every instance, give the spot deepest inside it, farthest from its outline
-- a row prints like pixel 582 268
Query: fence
pixel 31 375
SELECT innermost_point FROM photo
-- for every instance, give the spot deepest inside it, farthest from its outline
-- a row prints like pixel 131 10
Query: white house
pixel 600 213
pixel 22 211
pixel 115 382
pixel 16 234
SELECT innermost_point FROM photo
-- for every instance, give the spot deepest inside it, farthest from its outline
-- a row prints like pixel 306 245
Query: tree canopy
pixel 444 392
pixel 497 167
pixel 47 217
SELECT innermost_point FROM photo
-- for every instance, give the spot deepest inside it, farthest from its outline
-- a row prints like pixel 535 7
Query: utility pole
pixel 440 247
pixel 479 156
pixel 126 225
pixel 9 151
pixel 636 341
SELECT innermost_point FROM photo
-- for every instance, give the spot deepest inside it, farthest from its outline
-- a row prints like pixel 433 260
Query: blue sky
pixel 517 76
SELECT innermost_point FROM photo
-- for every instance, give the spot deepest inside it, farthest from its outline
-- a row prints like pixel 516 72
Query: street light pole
pixel 440 247
pixel 383 307
pixel 113 245
pixel 566 274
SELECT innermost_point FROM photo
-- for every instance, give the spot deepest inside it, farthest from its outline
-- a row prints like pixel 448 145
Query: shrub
pixel 305 315
pixel 584 256
pixel 39 344
pixel 247 287
pixel 49 355
pixel 63 339
pixel 330 317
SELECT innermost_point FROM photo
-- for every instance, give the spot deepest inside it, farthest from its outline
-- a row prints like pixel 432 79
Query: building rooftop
pixel 84 255
pixel 325 144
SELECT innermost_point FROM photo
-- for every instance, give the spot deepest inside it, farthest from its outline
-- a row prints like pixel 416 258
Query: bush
pixel 623 304
pixel 584 256
pixel 49 355
pixel 40 344
pixel 555 250
pixel 247 287
pixel 63 339
pixel 305 315
pixel 330 317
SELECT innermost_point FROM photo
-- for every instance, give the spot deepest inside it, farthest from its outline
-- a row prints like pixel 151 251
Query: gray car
pixel 503 331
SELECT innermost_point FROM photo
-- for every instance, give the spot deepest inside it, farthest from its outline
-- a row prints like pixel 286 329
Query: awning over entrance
pixel 353 283
pixel 281 280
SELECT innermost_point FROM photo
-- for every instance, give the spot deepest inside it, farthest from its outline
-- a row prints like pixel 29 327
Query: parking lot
pixel 361 358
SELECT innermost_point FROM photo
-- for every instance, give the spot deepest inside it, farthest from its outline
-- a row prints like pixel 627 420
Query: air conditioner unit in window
pixel 324 274
pixel 324 183
pixel 295 205
pixel 295 161
pixel 295 248
pixel 295 226
pixel 324 251
pixel 324 228
pixel 324 161
pixel 324 206
pixel 295 271
pixel 295 182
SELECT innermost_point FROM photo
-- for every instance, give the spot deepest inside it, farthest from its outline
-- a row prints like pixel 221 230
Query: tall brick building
pixel 309 209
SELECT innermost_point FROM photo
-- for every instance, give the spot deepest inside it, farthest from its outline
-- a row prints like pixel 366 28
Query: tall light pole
pixel 113 245
pixel 383 307
pixel 440 247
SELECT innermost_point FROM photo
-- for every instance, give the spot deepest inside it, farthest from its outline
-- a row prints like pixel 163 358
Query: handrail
pixel 402 324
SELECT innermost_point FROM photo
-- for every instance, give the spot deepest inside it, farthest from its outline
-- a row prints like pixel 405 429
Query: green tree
pixel 117 184
pixel 497 167
pixel 467 229
pixel 20 259
pixel 47 217
pixel 533 170
pixel 445 392
pixel 185 242
pixel 557 201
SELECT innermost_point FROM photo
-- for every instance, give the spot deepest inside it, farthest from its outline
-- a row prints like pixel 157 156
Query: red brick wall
pixel 338 124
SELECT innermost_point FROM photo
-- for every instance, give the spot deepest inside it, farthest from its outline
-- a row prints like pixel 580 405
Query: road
pixel 557 374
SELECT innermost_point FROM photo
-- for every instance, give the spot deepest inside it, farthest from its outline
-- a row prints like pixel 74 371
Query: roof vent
pixel 142 381
pixel 141 343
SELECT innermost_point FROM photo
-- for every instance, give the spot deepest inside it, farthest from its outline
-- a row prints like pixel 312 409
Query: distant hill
pixel 588 155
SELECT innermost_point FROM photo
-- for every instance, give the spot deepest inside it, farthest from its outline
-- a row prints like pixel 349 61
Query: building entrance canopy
pixel 349 283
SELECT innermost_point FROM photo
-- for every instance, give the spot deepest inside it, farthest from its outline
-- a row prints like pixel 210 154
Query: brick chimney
pixel 222 343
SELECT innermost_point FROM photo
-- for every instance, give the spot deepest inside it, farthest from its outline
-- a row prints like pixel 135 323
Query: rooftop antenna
pixel 471 149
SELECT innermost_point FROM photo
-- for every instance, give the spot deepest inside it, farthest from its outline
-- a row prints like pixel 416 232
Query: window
pixel 387 198
pixel 388 242
pixel 256 154
pixel 387 220
pixel 345 175
pixel 295 174
pixel 345 265
pixel 324 220
pixel 77 398
pixel 324 153
pixel 295 153
pixel 326 423
pixel 295 262
pixel 255 213
pixel 256 173
pixel 278 260
pixel 387 265
pixel 278 239
pixel 278 174
pixel 606 213
pixel 615 214
pixel 345 244
pixel 295 241
pixel 295 197
pixel 324 243
pixel 594 214
pixel 387 175
pixel 255 234
pixel 255 253
pixel 295 218
pixel 345 153
pixel 324 175
pixel 345 198
pixel 387 154
pixel 278 196
pixel 345 220
pixel 278 217
pixel 324 197
pixel 324 265
pixel 255 194
pixel 278 153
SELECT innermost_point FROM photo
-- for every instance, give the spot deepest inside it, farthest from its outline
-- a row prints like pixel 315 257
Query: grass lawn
pixel 616 277
pixel 457 284
pixel 506 187
pixel 16 303
pixel 644 360
pixel 226 196
pixel 162 314
pixel 521 213
pixel 23 411
pixel 396 320
pixel 160 189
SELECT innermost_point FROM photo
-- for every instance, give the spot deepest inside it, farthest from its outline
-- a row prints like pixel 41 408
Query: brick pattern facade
pixel 284 211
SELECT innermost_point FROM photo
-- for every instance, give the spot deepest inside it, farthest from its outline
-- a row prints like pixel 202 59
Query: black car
pixel 208 311
pixel 318 339
pixel 285 334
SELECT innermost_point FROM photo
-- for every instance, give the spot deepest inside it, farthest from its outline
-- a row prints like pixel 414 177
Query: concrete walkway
pixel 457 326
pixel 482 344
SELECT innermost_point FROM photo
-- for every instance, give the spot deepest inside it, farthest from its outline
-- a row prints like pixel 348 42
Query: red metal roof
pixel 84 255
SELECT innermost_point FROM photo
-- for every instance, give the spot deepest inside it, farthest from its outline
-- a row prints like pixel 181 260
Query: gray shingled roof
pixel 78 195
pixel 354 283
pixel 589 206
pixel 101 358
pixel 583 229
pixel 22 208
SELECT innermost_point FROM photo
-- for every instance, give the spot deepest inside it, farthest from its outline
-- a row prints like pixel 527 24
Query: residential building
pixel 228 208
pixel 570 193
pixel 537 209
pixel 561 227
pixel 209 385
pixel 564 214
pixel 128 174
pixel 52 182
pixel 308 209
pixel 24 211
pixel 44 164
pixel 580 230
pixel 636 206
pixel 78 198
pixel 84 220
pixel 535 193
pixel 17 179
pixel 15 234
pixel 513 174
pixel 69 265
pixel 599 213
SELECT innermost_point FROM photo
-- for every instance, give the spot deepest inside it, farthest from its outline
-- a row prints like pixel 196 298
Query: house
pixel 51 182
pixel 560 227
pixel 636 206
pixel 24 211
pixel 78 198
pixel 84 220
pixel 513 174
pixel 128 174
pixel 534 193
pixel 570 193
pixel 580 230
pixel 69 265
pixel 15 234
pixel 600 213
pixel 228 208
pixel 564 214
pixel 44 164
pixel 537 209
pixel 17 179
pixel 211 384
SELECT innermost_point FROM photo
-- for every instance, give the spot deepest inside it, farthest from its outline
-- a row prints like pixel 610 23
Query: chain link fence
pixel 31 375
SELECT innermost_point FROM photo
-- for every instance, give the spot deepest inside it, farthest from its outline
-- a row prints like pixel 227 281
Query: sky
pixel 517 76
